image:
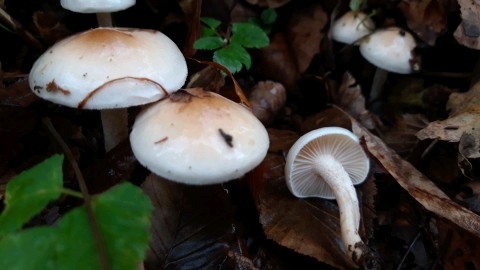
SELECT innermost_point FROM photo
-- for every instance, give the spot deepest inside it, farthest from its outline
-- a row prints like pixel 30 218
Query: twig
pixel 97 236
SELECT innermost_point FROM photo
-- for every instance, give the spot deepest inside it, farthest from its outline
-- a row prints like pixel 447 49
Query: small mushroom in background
pixel 326 163
pixel 102 8
pixel 351 27
pixel 100 69
pixel 198 137
pixel 390 50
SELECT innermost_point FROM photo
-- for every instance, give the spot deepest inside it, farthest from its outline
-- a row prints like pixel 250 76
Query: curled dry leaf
pixel 418 185
pixel 304 32
pixel 468 32
pixel 427 18
pixel 267 99
pixel 402 137
pixel 208 78
pixel 464 118
pixel 191 227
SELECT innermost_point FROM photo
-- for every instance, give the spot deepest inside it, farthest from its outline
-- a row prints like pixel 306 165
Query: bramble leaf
pixel 29 192
pixel 123 215
pixel 208 43
pixel 232 57
pixel 249 35
pixel 210 22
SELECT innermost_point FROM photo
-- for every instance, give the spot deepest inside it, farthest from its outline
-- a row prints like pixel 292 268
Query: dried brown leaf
pixel 402 137
pixel 427 18
pixel 268 3
pixel 418 185
pixel 464 118
pixel 17 94
pixel 192 226
pixel 468 32
pixel 281 140
pixel 304 32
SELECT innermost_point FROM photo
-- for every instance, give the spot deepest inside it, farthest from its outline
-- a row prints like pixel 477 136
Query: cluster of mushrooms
pixel 193 136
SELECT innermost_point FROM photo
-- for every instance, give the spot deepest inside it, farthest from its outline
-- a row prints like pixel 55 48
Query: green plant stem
pixel 87 199
pixel 72 192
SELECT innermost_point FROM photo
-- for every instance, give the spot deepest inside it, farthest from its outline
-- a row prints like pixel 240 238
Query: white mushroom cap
pixel 390 49
pixel 96 6
pixel 109 68
pixel 337 142
pixel 198 137
pixel 351 27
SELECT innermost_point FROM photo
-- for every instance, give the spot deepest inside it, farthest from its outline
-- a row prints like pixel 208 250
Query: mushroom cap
pixel 351 27
pixel 337 142
pixel 198 137
pixel 107 68
pixel 390 49
pixel 94 6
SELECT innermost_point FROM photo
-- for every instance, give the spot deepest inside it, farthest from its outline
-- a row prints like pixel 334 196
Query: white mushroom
pixel 106 68
pixel 198 137
pixel 390 49
pixel 95 6
pixel 326 163
pixel 351 27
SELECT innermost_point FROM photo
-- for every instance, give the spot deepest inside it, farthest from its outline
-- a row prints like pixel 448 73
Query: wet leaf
pixel 267 98
pixel 191 226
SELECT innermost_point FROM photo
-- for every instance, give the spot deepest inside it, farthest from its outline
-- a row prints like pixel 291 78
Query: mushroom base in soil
pixel 198 137
pixel 326 163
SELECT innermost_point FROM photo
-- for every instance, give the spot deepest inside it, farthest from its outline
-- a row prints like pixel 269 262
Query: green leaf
pixel 210 22
pixel 208 43
pixel 268 16
pixel 356 5
pixel 232 57
pixel 123 215
pixel 207 32
pixel 29 192
pixel 36 244
pixel 249 35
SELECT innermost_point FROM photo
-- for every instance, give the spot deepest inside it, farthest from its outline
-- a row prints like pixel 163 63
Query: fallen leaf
pixel 427 18
pixel 268 3
pixel 464 118
pixel 416 184
pixel 191 227
pixel 304 32
pixel 468 32
pixel 281 140
pixel 402 137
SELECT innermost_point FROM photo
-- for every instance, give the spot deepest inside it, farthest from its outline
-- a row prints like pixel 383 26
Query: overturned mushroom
pixel 326 163
pixel 198 137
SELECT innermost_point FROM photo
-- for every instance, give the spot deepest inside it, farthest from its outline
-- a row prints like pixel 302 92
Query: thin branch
pixel 97 236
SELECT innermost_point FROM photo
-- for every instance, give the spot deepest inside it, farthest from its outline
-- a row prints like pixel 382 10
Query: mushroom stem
pixel 339 181
pixel 114 121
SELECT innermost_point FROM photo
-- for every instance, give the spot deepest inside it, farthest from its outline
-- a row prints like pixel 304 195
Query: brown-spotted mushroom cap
pixel 198 137
pixel 311 148
pixel 391 49
pixel 107 68
pixel 94 6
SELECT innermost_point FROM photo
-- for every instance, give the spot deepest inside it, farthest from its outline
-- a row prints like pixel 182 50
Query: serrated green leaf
pixel 268 16
pixel 232 57
pixel 207 32
pixel 30 191
pixel 123 215
pixel 210 22
pixel 249 35
pixel 208 43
